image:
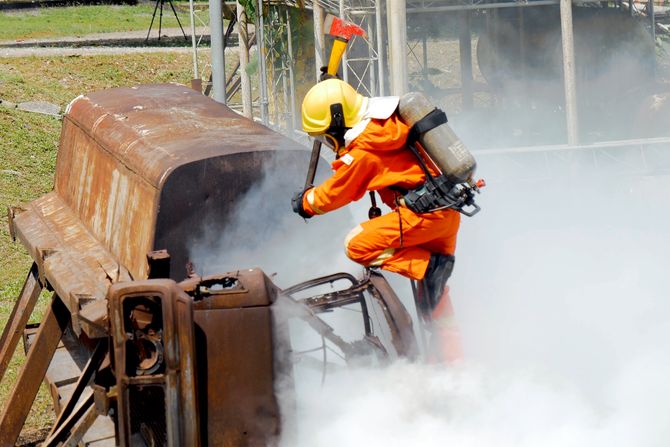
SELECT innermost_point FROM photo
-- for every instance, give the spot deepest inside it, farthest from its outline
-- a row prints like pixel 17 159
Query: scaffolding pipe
pixel 291 73
pixel 397 28
pixel 569 72
pixel 652 17
pixel 380 47
pixel 260 45
pixel 345 71
pixel 218 55
pixel 319 38
pixel 360 11
pixel 465 51
pixel 194 43
pixel 374 86
pixel 481 6
pixel 245 84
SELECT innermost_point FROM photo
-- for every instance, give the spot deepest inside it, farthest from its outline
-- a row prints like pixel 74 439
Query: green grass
pixel 27 155
pixel 28 146
pixel 44 23
pixel 60 79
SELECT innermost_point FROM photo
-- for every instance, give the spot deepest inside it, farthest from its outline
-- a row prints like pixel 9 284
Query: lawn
pixel 44 23
pixel 28 146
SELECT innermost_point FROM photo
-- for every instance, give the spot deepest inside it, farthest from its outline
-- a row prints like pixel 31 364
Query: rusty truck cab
pixel 154 353
pixel 139 172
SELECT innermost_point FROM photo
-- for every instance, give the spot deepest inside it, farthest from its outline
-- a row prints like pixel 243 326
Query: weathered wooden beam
pixel 21 312
pixel 32 373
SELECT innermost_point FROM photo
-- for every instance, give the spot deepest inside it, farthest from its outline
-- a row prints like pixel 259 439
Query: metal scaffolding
pixel 378 64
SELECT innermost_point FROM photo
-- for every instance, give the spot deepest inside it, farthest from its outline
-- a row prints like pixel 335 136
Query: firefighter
pixel 369 140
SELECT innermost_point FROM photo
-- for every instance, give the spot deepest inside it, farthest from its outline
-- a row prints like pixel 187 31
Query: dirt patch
pixel 32 437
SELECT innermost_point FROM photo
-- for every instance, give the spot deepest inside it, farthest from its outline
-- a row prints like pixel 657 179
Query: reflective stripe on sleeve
pixel 310 200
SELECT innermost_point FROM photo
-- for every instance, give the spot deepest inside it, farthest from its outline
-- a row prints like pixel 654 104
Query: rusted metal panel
pixel 237 395
pixel 200 198
pixel 235 340
pixel 120 146
pixel 142 169
pixel 245 288
pixel 153 345
pixel 25 389
pixel 152 129
pixel 115 204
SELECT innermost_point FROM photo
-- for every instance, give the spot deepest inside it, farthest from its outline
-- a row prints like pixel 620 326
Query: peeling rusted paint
pixel 118 150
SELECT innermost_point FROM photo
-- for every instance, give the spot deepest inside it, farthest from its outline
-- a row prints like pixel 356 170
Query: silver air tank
pixel 441 144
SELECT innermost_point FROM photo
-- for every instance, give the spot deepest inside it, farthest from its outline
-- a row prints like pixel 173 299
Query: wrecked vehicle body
pixel 136 347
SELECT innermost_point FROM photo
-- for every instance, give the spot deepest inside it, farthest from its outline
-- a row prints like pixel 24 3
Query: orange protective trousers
pixel 377 242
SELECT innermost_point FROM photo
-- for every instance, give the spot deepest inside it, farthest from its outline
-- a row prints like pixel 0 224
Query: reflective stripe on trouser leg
pixel 372 258
pixel 375 243
pixel 352 234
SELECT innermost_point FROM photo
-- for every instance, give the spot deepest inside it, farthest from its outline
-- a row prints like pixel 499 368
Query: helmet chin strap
pixel 336 130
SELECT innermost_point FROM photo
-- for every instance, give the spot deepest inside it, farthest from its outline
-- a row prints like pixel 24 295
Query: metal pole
pixel 569 72
pixel 397 46
pixel 260 44
pixel 194 43
pixel 652 17
pixel 374 89
pixel 466 61
pixel 218 56
pixel 290 73
pixel 245 84
pixel 380 46
pixel 345 68
pixel 319 38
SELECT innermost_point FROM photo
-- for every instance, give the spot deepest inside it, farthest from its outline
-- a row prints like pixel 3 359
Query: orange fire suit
pixel 377 160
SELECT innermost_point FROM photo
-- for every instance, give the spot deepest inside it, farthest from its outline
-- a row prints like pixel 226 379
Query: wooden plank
pixel 101 433
pixel 23 307
pixel 82 386
pixel 33 371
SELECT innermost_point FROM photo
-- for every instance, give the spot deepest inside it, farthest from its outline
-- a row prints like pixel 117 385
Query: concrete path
pixel 102 38
pixel 172 40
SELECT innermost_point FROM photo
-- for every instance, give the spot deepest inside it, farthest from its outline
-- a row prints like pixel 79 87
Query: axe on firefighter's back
pixel 343 32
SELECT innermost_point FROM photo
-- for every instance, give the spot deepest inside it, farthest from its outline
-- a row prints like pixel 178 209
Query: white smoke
pixel 559 290
pixel 560 294
pixel 264 233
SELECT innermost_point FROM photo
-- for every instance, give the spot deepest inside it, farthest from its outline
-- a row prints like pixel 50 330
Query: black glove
pixel 296 204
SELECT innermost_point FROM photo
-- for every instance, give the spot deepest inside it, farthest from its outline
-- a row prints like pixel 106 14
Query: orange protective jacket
pixel 375 160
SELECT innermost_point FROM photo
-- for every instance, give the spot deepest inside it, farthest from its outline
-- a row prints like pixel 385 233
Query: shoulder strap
pixel 435 118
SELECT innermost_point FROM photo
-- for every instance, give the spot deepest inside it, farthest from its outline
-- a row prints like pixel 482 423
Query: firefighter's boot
pixel 438 272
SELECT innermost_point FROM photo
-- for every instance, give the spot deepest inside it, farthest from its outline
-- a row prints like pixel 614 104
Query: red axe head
pixel 342 29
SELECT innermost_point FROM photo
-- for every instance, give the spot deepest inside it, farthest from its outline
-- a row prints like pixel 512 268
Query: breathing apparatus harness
pixel 437 193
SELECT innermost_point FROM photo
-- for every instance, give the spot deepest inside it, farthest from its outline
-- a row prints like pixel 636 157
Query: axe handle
pixel 339 45
pixel 313 163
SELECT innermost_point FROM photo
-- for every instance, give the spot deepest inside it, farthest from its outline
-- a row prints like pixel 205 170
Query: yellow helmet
pixel 318 111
